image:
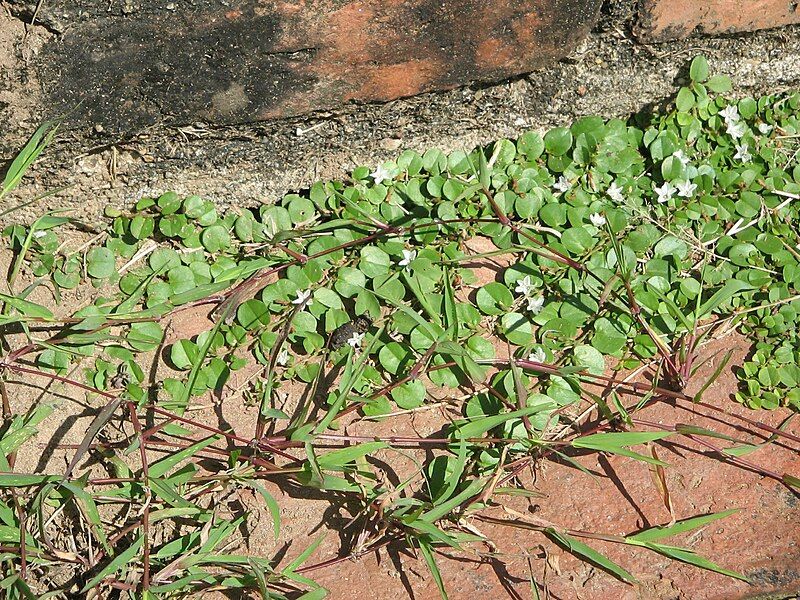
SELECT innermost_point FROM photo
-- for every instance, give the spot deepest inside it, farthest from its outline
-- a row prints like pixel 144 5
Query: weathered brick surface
pixel 661 20
pixel 149 62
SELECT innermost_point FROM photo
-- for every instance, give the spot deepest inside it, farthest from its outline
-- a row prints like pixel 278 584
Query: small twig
pixel 137 427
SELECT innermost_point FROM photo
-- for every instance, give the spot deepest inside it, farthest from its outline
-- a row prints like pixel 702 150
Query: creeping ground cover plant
pixel 616 247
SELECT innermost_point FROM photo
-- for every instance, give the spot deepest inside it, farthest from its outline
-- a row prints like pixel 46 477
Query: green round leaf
pixel 589 358
pixel 394 357
pixel 558 141
pixel 301 210
pixel 409 395
pixel 607 339
pixel 517 328
pixel 494 298
pixel 145 336
pixel 183 354
pixel 101 263
pixel 698 71
pixel 215 238
pixel 163 259
pixel 252 314
pixel 374 261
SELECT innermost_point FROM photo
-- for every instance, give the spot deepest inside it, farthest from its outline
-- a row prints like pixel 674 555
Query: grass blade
pixel 660 532
pixel 40 139
pixel 122 559
pixel 689 557
pixel 338 459
pixel 589 554
pixel 477 428
pixel 164 465
pixel 427 553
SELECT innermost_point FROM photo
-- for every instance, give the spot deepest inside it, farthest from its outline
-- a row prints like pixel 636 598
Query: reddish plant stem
pixel 40 554
pixel 605 537
pixel 340 559
pixel 137 427
pixel 12 459
pixel 18 369
pixel 394 440
pixel 741 462
pixel 758 424
pixel 230 436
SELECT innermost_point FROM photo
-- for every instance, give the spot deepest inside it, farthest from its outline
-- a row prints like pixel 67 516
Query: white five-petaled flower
pixel 536 304
pixel 283 357
pixel 303 298
pixel 355 340
pixel 537 355
pixel 764 129
pixel 524 286
pixel 526 289
pixel 562 185
pixel 408 256
pixel 615 192
pixel 381 174
pixel 597 219
pixel 736 129
pixel 730 114
pixel 665 192
pixel 742 153
pixel 686 189
pixel 685 160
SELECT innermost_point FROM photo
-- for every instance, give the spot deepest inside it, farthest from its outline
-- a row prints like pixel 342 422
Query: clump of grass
pixel 626 242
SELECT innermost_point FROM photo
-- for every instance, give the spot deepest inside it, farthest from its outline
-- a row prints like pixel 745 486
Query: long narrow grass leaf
pixel 660 532
pixel 589 554
pixel 119 561
pixel 427 553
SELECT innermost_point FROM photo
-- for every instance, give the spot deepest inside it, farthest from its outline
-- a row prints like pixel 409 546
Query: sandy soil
pixel 250 164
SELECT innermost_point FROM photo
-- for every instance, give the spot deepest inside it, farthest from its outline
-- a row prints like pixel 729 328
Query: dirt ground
pixel 619 496
pixel 609 74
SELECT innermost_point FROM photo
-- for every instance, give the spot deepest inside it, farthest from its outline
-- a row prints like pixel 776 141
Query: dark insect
pixel 344 332
pixel 121 379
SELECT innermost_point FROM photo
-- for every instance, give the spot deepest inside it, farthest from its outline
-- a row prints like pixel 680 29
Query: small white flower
pixel 355 340
pixel 764 129
pixel 303 298
pixel 615 192
pixel 381 174
pixel 524 286
pixel 736 130
pixel 537 355
pixel 535 305
pixel 742 153
pixel 283 357
pixel 730 114
pixel 408 256
pixel 665 192
pixel 562 185
pixel 685 160
pixel 597 219
pixel 686 189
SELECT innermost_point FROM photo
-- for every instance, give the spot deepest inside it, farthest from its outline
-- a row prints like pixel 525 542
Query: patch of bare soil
pixel 616 496
pixel 619 496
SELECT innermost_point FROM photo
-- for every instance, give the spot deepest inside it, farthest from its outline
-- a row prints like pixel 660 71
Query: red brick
pixel 266 60
pixel 662 20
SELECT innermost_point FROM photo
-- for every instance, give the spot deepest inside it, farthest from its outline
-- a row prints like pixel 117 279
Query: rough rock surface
pixel 660 20
pixel 130 65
